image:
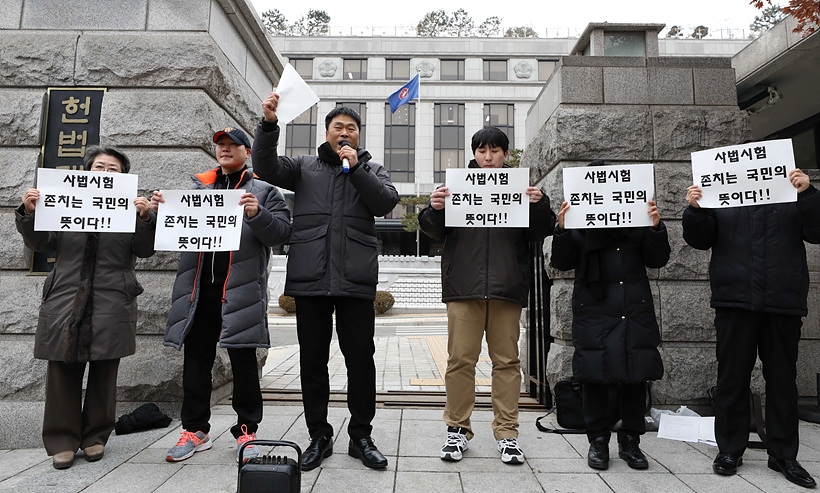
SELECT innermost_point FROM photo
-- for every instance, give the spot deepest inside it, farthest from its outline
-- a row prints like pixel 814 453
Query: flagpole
pixel 418 99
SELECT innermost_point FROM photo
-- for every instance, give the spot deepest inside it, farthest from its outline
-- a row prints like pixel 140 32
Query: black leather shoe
pixel 793 471
pixel 365 449
pixel 598 455
pixel 319 448
pixel 726 464
pixel 629 451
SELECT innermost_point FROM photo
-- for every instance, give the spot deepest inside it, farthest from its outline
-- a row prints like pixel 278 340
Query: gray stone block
pixel 603 61
pixel 685 263
pixel 18 167
pixel 179 15
pixel 688 374
pixel 585 133
pixel 13 253
pixel 21 376
pixel 12 14
pixel 20 116
pixel 811 323
pixel 21 295
pixel 32 59
pixel 715 87
pixel 685 312
pixel 581 85
pixel 154 118
pixel 671 181
pixel 561 309
pixel 626 85
pixel 155 301
pixel 169 60
pixel 808 366
pixel 679 131
pixel 122 15
pixel 559 362
pixel 22 425
pixel 670 85
pixel 689 62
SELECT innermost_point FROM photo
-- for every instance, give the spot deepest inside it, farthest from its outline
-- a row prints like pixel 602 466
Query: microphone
pixel 345 162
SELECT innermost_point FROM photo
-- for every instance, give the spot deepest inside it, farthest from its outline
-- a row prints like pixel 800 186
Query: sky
pixel 544 16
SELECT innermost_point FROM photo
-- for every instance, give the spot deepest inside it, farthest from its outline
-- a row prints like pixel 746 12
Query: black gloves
pixel 145 417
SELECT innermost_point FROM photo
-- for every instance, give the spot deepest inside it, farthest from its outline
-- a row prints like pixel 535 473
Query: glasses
pixel 111 168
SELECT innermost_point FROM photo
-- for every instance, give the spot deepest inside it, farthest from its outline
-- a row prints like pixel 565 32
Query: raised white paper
pixel 295 96
pixel 610 196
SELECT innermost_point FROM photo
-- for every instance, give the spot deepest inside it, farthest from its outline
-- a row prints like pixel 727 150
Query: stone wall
pixel 650 110
pixel 175 72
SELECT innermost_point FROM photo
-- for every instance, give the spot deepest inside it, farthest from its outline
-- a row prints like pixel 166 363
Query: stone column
pixel 630 110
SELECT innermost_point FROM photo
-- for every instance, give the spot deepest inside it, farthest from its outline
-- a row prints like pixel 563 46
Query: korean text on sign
pixel 85 201
pixel 747 174
pixel 487 197
pixel 199 221
pixel 613 196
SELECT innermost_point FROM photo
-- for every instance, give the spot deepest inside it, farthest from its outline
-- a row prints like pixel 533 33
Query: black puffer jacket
pixel 333 248
pixel 614 330
pixel 245 292
pixel 758 255
pixel 487 263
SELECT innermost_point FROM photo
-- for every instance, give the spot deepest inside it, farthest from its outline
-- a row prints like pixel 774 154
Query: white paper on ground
pixel 688 428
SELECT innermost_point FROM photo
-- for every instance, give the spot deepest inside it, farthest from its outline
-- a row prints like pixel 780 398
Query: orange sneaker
pixel 251 450
pixel 188 444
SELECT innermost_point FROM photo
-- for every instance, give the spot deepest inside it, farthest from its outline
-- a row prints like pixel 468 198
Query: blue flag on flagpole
pixel 407 93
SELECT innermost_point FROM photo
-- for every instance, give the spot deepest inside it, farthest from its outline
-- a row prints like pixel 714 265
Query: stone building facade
pixel 650 109
pixel 175 72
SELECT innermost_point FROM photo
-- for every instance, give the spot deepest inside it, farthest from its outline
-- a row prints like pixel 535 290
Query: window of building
pixel 361 109
pixel 301 134
pixel 625 44
pixel 448 141
pixel 397 70
pixel 400 142
pixel 501 116
pixel 545 68
pixel 495 69
pixel 452 70
pixel 303 66
pixel 355 69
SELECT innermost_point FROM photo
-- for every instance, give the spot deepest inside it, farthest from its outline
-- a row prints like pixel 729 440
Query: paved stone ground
pixel 409 437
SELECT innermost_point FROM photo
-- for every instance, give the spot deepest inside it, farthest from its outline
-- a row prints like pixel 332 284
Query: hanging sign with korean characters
pixel 199 221
pixel 609 196
pixel 487 198
pixel 85 201
pixel 746 174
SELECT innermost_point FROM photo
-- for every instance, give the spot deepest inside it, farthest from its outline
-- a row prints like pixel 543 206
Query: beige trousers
pixel 467 323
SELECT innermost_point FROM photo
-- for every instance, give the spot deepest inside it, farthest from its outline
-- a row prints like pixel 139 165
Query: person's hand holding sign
pixel 799 179
pixel 437 198
pixel 143 206
pixel 562 213
pixel 654 214
pixel 30 199
pixel 693 194
pixel 156 199
pixel 251 204
pixel 534 194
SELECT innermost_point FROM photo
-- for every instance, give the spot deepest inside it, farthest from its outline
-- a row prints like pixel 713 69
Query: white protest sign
pixel 747 174
pixel 610 196
pixel 487 197
pixel 295 96
pixel 85 201
pixel 199 221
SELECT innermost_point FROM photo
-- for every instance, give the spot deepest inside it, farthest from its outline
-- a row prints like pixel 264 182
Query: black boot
pixel 598 455
pixel 629 451
pixel 319 448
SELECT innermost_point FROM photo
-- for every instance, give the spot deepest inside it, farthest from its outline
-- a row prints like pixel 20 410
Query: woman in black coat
pixel 614 330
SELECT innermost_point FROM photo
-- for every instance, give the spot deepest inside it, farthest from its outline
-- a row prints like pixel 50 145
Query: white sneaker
pixel 456 444
pixel 511 453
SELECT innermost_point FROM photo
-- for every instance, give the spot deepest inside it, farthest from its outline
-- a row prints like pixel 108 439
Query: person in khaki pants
pixel 485 276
